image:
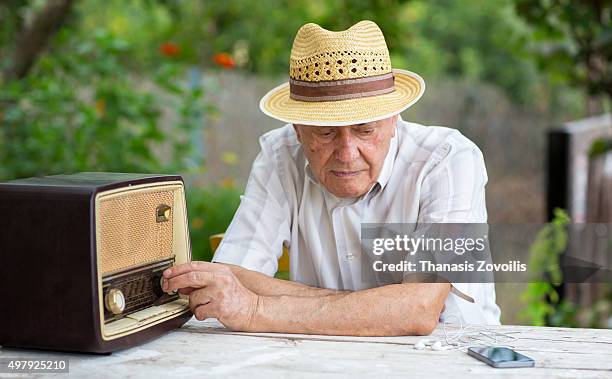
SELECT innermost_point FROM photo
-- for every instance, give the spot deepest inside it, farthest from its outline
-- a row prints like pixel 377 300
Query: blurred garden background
pixel 173 86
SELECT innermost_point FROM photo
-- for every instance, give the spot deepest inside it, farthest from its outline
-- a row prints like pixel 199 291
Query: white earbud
pixel 437 346
pixel 420 345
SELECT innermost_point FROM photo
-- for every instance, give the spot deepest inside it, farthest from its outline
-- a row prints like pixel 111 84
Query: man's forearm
pixel 399 309
pixel 264 285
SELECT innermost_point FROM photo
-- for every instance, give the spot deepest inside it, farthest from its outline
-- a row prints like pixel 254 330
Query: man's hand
pixel 214 291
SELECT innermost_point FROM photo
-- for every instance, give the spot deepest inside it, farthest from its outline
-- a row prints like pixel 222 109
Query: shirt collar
pixel 387 168
pixel 309 173
pixel 383 176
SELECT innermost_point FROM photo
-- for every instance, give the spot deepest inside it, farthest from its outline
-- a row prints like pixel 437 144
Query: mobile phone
pixel 500 357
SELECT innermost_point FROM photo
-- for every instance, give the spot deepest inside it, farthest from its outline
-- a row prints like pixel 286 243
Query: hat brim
pixel 409 87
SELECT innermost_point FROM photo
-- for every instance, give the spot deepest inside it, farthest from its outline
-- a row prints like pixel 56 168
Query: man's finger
pixel 202 312
pixel 199 303
pixel 195 279
pixel 186 290
pixel 184 268
pixel 199 297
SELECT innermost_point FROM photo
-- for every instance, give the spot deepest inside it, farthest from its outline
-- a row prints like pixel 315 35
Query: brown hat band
pixel 331 90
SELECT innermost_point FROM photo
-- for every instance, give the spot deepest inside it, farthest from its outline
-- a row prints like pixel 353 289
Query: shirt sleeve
pixel 261 225
pixel 453 191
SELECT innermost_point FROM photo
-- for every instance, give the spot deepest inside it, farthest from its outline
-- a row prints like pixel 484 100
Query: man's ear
pixel 297 132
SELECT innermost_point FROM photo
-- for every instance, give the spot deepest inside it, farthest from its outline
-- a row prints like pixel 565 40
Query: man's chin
pixel 347 192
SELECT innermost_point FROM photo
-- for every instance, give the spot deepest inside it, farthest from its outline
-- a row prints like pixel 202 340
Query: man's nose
pixel 347 150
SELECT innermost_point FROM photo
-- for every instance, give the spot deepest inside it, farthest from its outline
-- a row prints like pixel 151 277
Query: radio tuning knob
pixel 114 301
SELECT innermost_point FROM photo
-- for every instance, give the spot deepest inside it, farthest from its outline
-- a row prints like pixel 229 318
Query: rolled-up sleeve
pixel 261 224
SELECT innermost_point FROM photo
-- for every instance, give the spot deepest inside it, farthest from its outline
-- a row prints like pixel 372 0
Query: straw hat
pixel 341 78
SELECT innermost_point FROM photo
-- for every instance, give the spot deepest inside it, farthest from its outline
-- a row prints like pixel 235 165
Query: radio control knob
pixel 114 301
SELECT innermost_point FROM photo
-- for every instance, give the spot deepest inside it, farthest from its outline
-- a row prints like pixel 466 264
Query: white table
pixel 206 349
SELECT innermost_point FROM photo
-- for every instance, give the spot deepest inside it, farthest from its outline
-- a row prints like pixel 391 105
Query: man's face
pixel 347 159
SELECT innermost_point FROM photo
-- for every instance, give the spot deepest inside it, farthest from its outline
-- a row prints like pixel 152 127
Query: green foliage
pixel 267 27
pixel 479 40
pixel 10 23
pixel 544 307
pixel 600 146
pixel 541 295
pixel 211 210
pixel 572 41
pixel 82 109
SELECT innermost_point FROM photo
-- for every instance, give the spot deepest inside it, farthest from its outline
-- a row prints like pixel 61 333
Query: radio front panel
pixel 140 231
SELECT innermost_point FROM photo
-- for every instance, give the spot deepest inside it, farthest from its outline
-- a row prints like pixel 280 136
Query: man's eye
pixel 366 131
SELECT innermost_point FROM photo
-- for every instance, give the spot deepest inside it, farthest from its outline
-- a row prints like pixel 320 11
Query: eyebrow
pixel 328 126
pixel 365 123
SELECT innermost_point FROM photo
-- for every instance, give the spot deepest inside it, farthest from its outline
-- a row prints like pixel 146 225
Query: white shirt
pixel 431 174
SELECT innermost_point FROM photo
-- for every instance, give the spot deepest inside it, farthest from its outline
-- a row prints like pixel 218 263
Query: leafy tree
pixel 476 40
pixel 573 41
pixel 69 102
pixel 82 110
pixel 26 41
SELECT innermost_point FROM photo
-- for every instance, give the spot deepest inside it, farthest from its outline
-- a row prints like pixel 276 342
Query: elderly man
pixel 344 158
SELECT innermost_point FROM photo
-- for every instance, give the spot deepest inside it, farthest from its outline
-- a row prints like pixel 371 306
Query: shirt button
pixel 349 256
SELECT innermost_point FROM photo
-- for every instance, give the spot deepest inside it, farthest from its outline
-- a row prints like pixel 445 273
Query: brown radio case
pixel 49 279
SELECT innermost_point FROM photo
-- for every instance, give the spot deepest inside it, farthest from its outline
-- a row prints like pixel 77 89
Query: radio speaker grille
pixel 129 231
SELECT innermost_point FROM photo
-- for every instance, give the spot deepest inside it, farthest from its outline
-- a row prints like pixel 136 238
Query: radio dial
pixel 114 301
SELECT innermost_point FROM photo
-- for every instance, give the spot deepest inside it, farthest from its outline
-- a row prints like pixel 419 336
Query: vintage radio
pixel 82 259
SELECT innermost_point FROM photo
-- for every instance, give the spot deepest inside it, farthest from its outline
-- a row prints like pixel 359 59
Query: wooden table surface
pixel 206 349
